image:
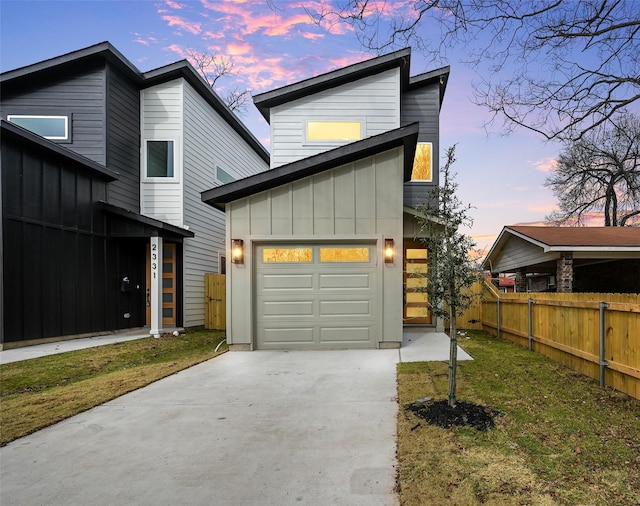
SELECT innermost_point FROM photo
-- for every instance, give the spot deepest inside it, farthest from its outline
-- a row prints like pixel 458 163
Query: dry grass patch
pixel 560 439
pixel 39 392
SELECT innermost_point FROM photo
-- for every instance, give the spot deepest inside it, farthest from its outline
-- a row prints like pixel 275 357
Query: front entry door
pixel 168 285
pixel 416 301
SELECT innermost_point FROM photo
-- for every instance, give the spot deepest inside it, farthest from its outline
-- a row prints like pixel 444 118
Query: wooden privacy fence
pixel 215 301
pixel 592 333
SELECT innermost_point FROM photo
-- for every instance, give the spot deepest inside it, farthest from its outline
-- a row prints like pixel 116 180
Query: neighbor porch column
pixel 521 280
pixel 564 272
pixel 156 286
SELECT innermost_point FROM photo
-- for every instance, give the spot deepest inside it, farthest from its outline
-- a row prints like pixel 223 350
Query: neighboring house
pixel 325 250
pixel 568 259
pixel 103 227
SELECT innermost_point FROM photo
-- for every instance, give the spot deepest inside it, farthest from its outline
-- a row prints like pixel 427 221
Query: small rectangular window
pixel 286 255
pixel 334 131
pixel 223 176
pixel 422 162
pixel 344 254
pixel 55 128
pixel 160 159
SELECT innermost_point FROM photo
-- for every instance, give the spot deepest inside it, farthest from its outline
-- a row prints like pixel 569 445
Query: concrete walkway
pixel 246 428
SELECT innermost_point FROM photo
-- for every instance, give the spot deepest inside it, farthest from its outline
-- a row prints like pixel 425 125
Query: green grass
pixel 39 392
pixel 560 438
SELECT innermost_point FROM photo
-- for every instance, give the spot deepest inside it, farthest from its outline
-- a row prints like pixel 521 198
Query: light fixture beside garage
pixel 389 251
pixel 237 251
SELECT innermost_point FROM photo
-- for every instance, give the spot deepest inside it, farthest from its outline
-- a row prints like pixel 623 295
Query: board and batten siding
pixel 209 142
pixel 162 120
pixel 123 140
pixel 81 94
pixel 358 201
pixel 374 100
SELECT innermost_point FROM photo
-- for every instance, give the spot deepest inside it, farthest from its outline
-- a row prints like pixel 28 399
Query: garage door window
pixel 287 255
pixel 344 255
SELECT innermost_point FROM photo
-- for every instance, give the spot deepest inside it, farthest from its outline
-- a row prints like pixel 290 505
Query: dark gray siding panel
pixel 80 93
pixel 123 140
pixel 423 106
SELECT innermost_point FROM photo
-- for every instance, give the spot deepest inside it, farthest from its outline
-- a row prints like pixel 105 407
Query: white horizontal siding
pixel 209 141
pixel 374 100
pixel 162 119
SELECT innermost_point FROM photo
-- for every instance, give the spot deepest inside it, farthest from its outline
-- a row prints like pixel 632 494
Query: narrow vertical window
pixel 422 162
pixel 160 159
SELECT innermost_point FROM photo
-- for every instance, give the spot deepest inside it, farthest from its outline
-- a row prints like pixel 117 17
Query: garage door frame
pixel 375 242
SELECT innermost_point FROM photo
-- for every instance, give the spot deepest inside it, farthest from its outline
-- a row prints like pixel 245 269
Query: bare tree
pixel 600 172
pixel 557 67
pixel 214 68
pixel 452 271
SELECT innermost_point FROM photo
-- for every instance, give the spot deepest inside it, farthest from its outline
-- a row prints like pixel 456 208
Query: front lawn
pixel 560 438
pixel 39 392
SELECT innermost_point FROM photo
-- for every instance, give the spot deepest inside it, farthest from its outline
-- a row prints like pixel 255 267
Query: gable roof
pixel 406 136
pixel 105 51
pixel 545 244
pixel 401 59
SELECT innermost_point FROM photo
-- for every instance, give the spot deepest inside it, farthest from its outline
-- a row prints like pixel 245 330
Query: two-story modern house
pixel 103 226
pixel 324 251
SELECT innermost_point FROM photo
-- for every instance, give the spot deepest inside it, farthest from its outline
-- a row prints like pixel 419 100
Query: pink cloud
pixel 176 49
pixel 174 5
pixel 313 36
pixel 188 26
pixel 235 49
pixel 545 165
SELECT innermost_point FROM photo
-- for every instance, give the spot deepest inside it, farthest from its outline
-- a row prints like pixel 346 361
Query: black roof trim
pixel 185 70
pixel 265 101
pixel 100 170
pixel 163 229
pixel 103 50
pixel 406 136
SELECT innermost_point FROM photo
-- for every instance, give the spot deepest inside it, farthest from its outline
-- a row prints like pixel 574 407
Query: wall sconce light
pixel 237 251
pixel 389 251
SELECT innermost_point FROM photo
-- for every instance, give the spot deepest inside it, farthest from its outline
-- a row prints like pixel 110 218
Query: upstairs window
pixel 160 159
pixel 55 128
pixel 334 131
pixel 423 162
pixel 223 176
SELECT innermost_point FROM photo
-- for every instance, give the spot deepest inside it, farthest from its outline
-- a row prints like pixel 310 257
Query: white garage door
pixel 316 296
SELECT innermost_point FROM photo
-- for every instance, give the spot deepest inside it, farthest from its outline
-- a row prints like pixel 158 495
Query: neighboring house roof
pixel 265 101
pixel 405 136
pixel 11 130
pixel 537 248
pixel 138 225
pixel 105 51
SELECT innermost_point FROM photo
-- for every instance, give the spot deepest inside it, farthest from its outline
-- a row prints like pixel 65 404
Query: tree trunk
pixel 453 356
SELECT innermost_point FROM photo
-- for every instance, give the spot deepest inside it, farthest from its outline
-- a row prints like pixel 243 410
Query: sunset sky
pixel 275 42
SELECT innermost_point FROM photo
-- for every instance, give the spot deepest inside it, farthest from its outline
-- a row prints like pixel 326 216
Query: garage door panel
pixel 345 334
pixel 288 308
pixel 287 281
pixel 345 280
pixel 345 308
pixel 288 335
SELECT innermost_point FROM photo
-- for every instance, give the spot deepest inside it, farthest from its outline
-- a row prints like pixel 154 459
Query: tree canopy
pixel 600 172
pixel 558 67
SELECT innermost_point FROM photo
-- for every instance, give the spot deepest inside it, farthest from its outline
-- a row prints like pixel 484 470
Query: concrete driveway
pixel 256 428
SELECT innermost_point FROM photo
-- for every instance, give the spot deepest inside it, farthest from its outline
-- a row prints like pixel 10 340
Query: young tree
pixel 558 67
pixel 600 172
pixel 213 68
pixel 451 269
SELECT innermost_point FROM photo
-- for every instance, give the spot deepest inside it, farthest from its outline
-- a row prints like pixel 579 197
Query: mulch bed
pixel 439 413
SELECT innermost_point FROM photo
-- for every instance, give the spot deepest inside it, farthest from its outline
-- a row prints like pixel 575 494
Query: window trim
pixel 65 117
pixel 160 179
pixel 333 142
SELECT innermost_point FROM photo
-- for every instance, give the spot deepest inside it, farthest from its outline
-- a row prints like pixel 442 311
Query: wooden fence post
pixel 603 362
